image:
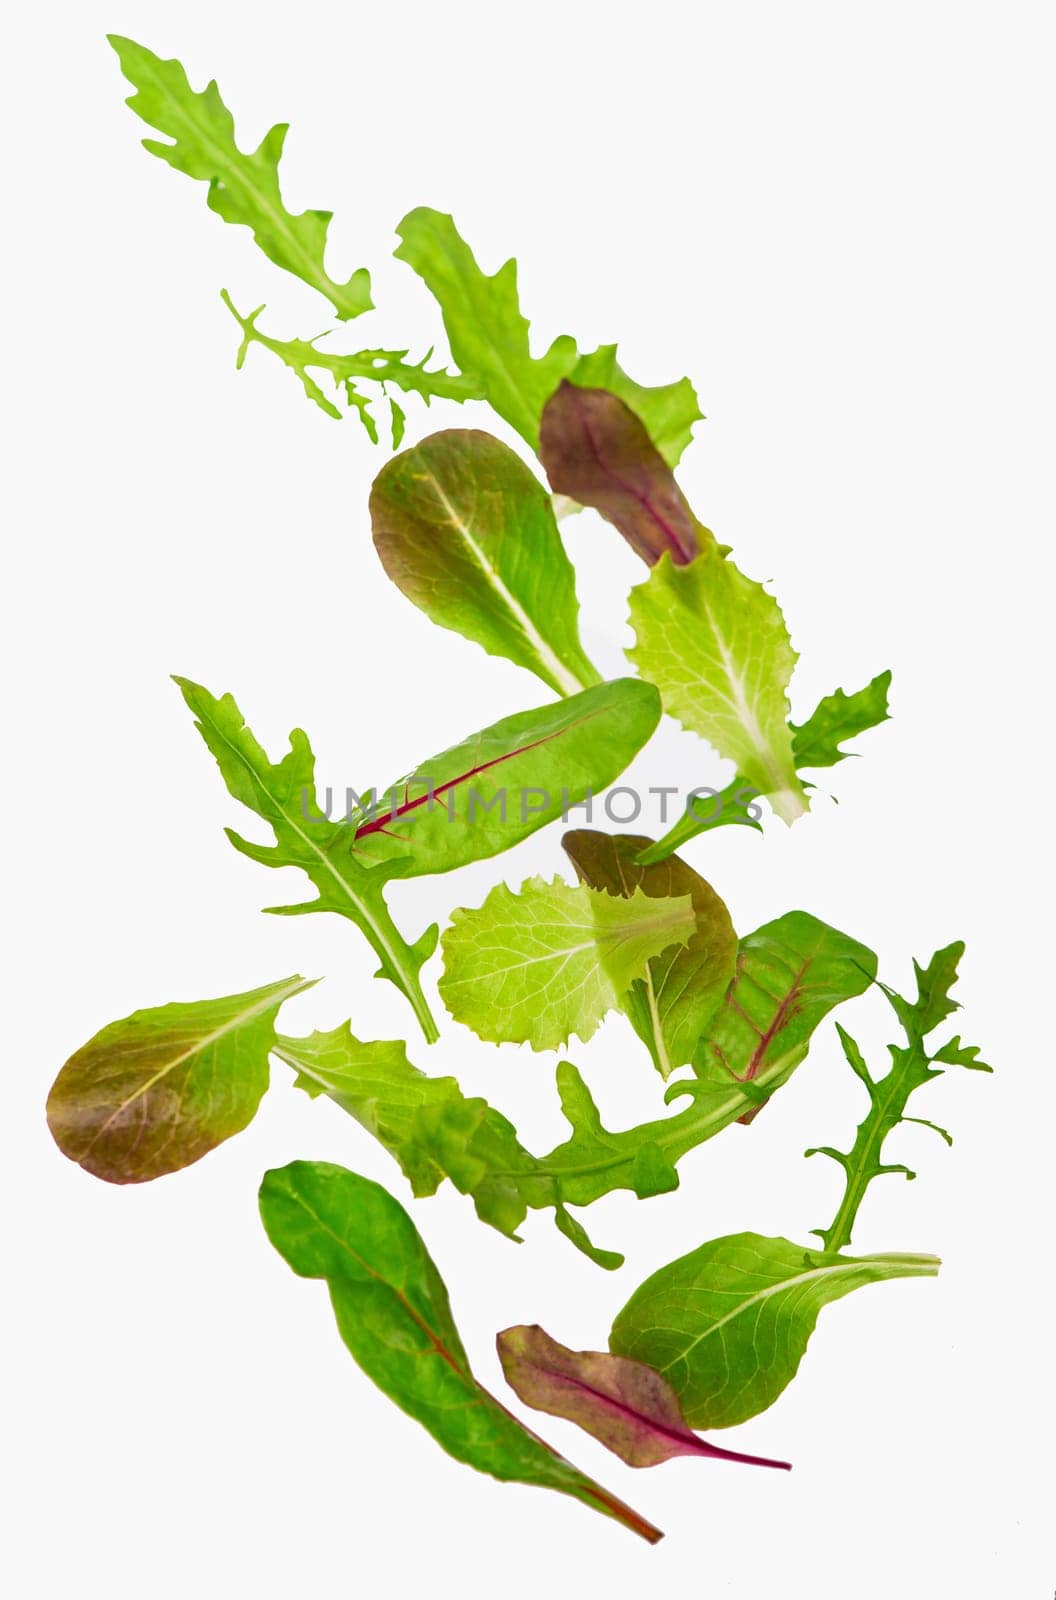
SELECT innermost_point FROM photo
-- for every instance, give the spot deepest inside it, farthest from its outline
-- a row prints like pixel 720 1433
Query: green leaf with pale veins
pixel 671 1005
pixel 727 1325
pixel 468 534
pixel 716 646
pixel 489 339
pixel 545 963
pixel 839 716
pixel 242 188
pixel 161 1088
pixel 393 1313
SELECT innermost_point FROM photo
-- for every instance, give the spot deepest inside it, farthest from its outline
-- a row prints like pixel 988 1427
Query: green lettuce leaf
pixel 671 1005
pixel 468 534
pixel 242 188
pixel 727 1324
pixel 161 1088
pixel 489 339
pixel 549 961
pixel 912 1066
pixel 716 646
pixel 393 1313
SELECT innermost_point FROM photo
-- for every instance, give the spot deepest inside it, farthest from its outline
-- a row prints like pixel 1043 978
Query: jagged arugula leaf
pixel 242 188
pixel 727 1324
pixel 630 1408
pixel 671 1005
pixel 716 646
pixel 839 716
pixel 549 961
pixel 393 1313
pixel 161 1088
pixel 433 822
pixel 467 532
pixel 489 339
pixel 598 453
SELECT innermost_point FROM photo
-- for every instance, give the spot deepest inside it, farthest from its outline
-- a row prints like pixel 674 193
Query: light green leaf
pixel 727 1324
pixel 467 532
pixel 161 1088
pixel 716 646
pixel 672 1004
pixel 839 716
pixel 393 1313
pixel 242 188
pixel 550 961
pixel 489 339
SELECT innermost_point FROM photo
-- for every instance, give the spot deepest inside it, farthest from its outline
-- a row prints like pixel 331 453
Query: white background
pixel 837 219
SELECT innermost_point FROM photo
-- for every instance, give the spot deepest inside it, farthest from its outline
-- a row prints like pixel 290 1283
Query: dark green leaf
pixel 816 742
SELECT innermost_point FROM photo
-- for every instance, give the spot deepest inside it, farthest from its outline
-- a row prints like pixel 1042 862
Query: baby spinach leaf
pixel 393 1313
pixel 488 337
pixel 243 189
pixel 727 1324
pixel 716 646
pixel 348 372
pixel 670 1006
pixel 912 1066
pixel 597 452
pixel 539 965
pixel 466 531
pixel 816 742
pixel 629 1407
pixel 161 1088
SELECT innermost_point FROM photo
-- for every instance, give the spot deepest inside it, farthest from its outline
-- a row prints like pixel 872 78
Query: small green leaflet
pixel 393 1313
pixel 716 646
pixel 161 1088
pixel 670 1006
pixel 489 339
pixel 727 1324
pixel 348 372
pixel 839 716
pixel 545 963
pixel 468 534
pixel 912 1066
pixel 242 188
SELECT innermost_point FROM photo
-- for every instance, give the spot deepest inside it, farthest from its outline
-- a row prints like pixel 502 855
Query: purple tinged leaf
pixel 630 1408
pixel 596 451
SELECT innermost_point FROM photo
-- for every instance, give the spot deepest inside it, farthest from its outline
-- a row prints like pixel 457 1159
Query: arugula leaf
pixel 727 1324
pixel 539 965
pixel 597 453
pixel 629 1407
pixel 912 1066
pixel 380 367
pixel 716 646
pixel 161 1088
pixel 468 534
pixel 393 1313
pixel 242 188
pixel 734 805
pixel 672 1004
pixel 816 742
pixel 489 340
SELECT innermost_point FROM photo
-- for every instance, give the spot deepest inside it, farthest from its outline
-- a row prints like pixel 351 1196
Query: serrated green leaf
pixel 393 1313
pixel 545 963
pixel 727 1325
pixel 489 339
pixel 242 188
pixel 839 716
pixel 468 534
pixel 671 1005
pixel 716 646
pixel 161 1088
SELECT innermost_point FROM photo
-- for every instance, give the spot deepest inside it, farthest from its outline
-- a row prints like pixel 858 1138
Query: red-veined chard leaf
pixel 630 1408
pixel 393 1313
pixel 468 533
pixel 161 1088
pixel 727 1324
